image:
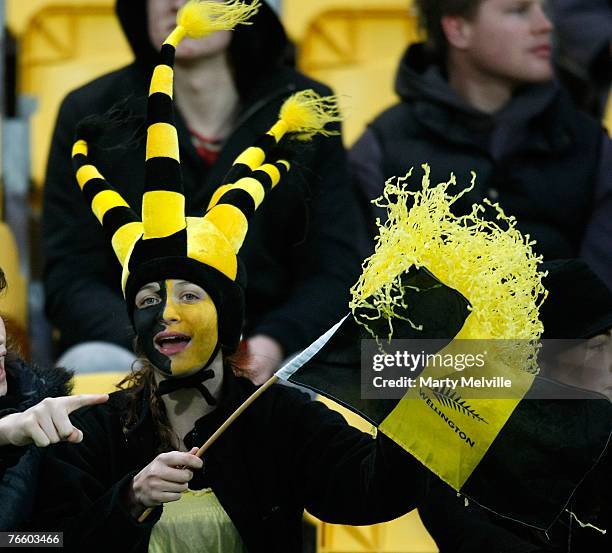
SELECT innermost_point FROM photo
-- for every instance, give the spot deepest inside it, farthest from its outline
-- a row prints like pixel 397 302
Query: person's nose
pixel 541 22
pixel 170 314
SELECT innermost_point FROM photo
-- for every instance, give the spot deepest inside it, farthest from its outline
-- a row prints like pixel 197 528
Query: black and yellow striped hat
pixel 164 243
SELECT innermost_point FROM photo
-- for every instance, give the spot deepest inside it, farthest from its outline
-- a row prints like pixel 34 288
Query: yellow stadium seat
pixel 14 302
pixel 403 535
pixel 63 46
pixel 607 119
pixel 298 14
pixel 97 383
pixel 356 51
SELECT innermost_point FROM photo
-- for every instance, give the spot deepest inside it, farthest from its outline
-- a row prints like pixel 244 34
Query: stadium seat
pixel 356 51
pixel 607 119
pixel 13 304
pixel 403 535
pixel 62 47
pixel 97 383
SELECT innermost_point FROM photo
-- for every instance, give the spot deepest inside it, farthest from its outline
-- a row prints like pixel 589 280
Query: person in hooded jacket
pixel 480 96
pixel 33 412
pixel 578 307
pixel 301 255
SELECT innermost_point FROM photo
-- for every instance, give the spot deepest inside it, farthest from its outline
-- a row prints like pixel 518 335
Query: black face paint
pixel 148 323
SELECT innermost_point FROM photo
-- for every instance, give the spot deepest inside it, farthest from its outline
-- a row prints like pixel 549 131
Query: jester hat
pixel 163 243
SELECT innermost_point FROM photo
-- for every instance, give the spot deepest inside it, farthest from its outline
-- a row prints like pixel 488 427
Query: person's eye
pixel 519 9
pixel 148 301
pixel 190 297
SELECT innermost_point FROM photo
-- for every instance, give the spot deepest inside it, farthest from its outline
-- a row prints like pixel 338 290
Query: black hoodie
pixel 546 163
pixel 28 385
pixel 300 253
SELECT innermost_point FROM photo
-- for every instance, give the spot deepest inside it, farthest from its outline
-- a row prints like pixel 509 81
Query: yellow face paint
pixel 177 326
pixel 190 314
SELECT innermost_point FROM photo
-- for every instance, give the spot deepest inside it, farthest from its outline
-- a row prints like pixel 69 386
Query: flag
pixel 448 281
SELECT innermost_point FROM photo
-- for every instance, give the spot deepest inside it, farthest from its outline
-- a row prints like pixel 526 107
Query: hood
pixel 421 80
pixel 255 50
pixel 29 384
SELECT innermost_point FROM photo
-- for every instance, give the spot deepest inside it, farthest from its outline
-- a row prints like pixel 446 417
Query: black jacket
pixel 300 251
pixel 284 454
pixel 544 162
pixel 19 466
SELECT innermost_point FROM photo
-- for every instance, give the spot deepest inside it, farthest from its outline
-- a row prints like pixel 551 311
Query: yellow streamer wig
pixel 489 261
pixel 306 114
pixel 199 18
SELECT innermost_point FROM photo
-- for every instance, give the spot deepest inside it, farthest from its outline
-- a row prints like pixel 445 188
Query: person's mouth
pixel 170 343
pixel 543 51
pixel 2 371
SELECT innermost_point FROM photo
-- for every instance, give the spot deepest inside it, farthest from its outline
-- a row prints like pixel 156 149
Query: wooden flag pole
pixel 224 427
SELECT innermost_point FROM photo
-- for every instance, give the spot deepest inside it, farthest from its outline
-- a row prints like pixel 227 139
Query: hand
pixel 46 422
pixel 163 480
pixel 265 356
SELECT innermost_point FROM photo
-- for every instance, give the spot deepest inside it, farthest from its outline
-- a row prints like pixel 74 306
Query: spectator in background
pixel 584 50
pixel 480 96
pixel 300 255
pixel 578 307
pixel 28 416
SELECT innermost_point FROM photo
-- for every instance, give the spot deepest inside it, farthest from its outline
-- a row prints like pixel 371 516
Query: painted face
pixel 176 324
pixel 161 20
pixel 510 40
pixel 3 384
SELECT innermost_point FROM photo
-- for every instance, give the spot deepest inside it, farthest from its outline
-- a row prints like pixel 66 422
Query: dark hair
pixel 431 13
pixel 140 385
pixel 2 280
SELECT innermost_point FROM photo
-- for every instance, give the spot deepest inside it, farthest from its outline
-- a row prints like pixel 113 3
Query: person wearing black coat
pixel 28 418
pixel 578 307
pixel 286 453
pixel 138 482
pixel 301 255
pixel 488 104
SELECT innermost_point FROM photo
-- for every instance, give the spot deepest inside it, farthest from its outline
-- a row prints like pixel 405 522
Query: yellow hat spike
pixel 112 211
pixel 200 18
pixel 306 114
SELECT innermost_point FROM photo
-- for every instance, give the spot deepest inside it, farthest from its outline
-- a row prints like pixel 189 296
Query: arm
pixel 327 263
pixel 463 527
pixel 347 477
pixel 84 491
pixel 365 161
pixel 82 298
pixel 596 247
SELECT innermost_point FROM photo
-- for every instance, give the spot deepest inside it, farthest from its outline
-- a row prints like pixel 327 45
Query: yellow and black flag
pixel 452 284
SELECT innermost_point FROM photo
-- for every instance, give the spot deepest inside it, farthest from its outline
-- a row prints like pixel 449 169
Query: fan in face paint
pixel 177 326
